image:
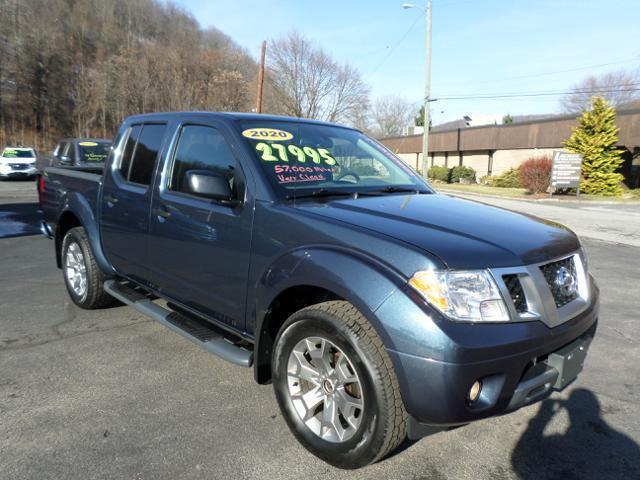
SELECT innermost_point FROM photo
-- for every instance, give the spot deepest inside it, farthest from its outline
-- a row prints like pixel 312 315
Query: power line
pixel 539 94
pixel 574 90
pixel 406 34
pixel 569 70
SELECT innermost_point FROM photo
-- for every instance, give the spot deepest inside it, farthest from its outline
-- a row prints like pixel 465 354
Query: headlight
pixel 462 296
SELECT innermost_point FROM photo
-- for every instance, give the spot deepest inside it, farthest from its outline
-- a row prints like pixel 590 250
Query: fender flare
pixel 352 275
pixel 78 205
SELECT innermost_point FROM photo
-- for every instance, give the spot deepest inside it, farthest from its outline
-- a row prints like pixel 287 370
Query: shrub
pixel 439 173
pixel 461 172
pixel 508 179
pixel 535 174
pixel 487 180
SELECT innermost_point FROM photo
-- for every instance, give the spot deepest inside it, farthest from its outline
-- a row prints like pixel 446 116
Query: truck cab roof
pixel 233 116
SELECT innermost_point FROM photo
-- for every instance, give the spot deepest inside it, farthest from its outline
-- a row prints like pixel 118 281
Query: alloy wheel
pixel 325 389
pixel 76 269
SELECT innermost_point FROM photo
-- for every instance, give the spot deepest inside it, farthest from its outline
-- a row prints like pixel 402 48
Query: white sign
pixel 566 170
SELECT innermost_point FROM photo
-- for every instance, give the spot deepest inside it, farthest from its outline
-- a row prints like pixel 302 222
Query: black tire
pixel 94 295
pixel 382 427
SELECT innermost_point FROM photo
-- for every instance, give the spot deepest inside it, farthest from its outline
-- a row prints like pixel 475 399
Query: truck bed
pixel 65 185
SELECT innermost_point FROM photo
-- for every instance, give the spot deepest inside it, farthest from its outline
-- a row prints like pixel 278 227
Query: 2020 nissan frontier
pixel 308 251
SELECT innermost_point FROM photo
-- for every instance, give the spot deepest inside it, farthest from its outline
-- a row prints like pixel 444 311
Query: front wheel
pixel 336 386
pixel 82 276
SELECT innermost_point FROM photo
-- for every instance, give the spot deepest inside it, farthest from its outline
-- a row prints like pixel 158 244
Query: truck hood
pixel 462 233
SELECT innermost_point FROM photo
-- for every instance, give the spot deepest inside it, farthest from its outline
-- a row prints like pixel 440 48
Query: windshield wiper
pixel 392 189
pixel 321 192
pixel 330 192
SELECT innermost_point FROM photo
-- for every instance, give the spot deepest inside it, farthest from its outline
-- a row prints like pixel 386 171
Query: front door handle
pixel 161 212
pixel 111 200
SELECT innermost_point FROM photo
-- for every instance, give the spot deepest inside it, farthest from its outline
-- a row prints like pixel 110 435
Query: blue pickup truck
pixel 377 308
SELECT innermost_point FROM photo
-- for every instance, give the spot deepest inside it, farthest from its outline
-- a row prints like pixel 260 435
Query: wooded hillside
pixel 78 67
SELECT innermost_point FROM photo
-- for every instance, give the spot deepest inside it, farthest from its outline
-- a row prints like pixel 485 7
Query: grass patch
pixel 484 190
pixel 630 196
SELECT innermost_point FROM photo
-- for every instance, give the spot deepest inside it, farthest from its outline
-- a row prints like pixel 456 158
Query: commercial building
pixel 492 149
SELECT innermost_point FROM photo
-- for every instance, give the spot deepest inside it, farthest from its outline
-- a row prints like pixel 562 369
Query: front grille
pixel 19 166
pixel 516 292
pixel 562 292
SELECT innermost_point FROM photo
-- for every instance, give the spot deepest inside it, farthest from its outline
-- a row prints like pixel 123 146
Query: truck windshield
pixel 302 158
pixel 93 152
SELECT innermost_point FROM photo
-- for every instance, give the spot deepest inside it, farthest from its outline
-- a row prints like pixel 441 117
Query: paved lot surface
pixel 617 223
pixel 109 394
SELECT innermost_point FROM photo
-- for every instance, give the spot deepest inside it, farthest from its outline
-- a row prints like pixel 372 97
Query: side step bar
pixel 196 330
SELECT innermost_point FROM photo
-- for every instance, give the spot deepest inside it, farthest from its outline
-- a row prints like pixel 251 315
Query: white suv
pixel 18 162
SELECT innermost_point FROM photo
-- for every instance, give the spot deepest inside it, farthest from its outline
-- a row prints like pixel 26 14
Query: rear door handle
pixel 161 212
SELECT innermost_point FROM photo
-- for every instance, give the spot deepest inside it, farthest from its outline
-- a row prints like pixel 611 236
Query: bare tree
pixel 360 118
pixel 390 115
pixel 618 88
pixel 79 67
pixel 307 83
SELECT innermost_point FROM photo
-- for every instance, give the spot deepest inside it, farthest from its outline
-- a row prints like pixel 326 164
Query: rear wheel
pixel 336 386
pixel 82 276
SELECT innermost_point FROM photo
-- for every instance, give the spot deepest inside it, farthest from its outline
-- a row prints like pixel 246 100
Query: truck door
pixel 199 248
pixel 126 200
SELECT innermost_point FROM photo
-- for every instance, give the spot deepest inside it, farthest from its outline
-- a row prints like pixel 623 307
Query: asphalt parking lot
pixel 110 394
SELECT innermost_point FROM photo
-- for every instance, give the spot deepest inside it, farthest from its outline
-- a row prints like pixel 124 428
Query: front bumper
pixel 11 173
pixel 516 363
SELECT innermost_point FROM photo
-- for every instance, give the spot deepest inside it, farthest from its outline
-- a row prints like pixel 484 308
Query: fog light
pixel 475 390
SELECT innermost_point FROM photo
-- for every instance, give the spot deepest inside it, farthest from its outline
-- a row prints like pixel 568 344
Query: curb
pixel 539 200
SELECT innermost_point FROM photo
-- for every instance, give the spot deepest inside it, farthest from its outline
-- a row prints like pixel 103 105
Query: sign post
pixel 565 172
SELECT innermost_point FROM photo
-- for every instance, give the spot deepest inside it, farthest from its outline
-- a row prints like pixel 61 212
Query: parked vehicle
pixel 77 152
pixel 376 307
pixel 17 162
pixel 87 154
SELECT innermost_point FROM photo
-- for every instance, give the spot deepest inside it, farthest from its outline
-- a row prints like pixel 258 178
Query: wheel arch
pixel 315 275
pixel 78 213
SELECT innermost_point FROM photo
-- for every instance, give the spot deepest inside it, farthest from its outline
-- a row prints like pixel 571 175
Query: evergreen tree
pixel 595 139
pixel 419 121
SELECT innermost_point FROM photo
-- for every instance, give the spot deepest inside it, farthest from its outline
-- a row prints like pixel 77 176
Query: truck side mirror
pixel 65 160
pixel 208 184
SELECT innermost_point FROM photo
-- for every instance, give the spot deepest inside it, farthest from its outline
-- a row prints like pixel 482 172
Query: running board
pixel 196 330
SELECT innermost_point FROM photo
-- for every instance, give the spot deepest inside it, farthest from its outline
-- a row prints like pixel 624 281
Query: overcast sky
pixel 479 46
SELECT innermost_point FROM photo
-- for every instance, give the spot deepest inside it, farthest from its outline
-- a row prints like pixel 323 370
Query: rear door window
pixel 144 158
pixel 129 148
pixel 140 153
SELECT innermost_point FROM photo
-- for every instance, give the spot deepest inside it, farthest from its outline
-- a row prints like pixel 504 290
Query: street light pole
pixel 427 95
pixel 427 89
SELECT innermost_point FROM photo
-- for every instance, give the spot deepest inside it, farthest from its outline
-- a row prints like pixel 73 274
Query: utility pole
pixel 427 88
pixel 261 78
pixel 427 94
